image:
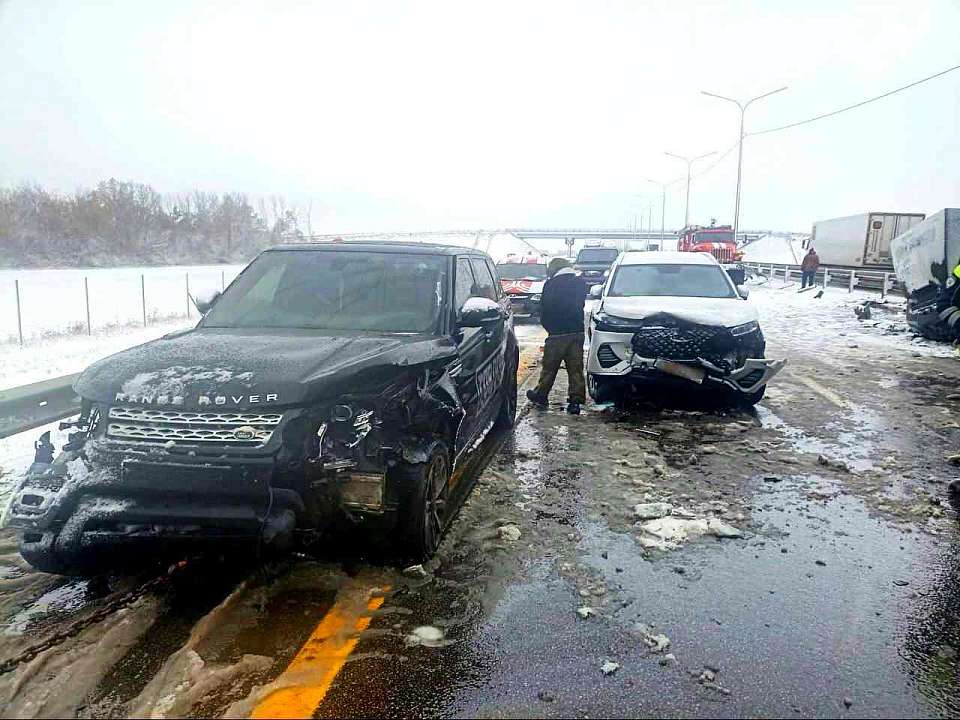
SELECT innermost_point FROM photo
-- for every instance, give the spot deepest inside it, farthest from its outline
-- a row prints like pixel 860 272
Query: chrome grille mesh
pixel 180 427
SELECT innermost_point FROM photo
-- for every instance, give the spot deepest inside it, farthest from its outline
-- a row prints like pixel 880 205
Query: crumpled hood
pixel 725 312
pixel 248 369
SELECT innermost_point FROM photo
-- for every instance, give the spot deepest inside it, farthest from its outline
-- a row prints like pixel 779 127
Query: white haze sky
pixel 451 115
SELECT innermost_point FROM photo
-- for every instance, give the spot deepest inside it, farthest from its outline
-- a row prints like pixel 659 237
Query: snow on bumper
pixel 612 355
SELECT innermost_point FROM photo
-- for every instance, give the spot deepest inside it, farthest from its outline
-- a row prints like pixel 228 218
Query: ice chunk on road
pixel 651 511
pixel 671 532
pixel 426 635
pixel 609 667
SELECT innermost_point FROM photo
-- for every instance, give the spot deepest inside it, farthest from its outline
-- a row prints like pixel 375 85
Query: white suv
pixel 674 316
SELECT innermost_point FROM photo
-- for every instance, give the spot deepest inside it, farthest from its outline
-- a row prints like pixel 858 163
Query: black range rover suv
pixel 330 384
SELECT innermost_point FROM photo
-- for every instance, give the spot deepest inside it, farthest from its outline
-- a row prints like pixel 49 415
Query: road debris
pixel 652 511
pixel 657 642
pixel 671 532
pixel 510 533
pixel 833 463
pixel 609 667
pixel 416 571
pixel 586 611
pixel 427 636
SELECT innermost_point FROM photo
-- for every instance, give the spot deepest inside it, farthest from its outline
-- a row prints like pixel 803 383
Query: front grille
pixel 688 343
pixel 606 356
pixel 165 426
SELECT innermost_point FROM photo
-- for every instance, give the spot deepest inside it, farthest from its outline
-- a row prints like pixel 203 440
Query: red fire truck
pixel 717 240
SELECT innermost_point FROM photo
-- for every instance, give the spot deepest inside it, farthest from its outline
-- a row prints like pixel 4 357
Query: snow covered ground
pixel 776 249
pixel 65 354
pixel 53 301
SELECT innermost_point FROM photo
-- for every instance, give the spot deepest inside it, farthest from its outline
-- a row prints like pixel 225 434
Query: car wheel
pixel 507 415
pixel 425 511
pixel 602 389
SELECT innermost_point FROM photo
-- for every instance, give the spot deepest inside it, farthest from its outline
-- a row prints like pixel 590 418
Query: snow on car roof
pixel 664 257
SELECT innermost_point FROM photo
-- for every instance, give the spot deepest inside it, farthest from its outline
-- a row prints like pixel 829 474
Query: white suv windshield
pixel 335 290
pixel 707 281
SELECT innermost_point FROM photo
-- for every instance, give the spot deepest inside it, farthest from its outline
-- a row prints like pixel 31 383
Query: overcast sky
pixel 443 115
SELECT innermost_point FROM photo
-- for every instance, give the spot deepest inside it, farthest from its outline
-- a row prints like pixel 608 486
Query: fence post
pixel 16 287
pixel 771 272
pixel 223 281
pixel 883 291
pixel 86 296
pixel 786 275
pixel 853 280
pixel 143 298
pixel 187 276
pixel 826 276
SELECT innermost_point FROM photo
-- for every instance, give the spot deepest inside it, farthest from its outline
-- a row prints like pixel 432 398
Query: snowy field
pixel 53 301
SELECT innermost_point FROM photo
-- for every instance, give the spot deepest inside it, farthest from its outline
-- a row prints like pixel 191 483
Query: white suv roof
pixel 667 258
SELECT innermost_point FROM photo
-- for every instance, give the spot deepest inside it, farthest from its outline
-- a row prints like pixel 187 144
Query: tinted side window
pixel 465 283
pixel 496 278
pixel 484 287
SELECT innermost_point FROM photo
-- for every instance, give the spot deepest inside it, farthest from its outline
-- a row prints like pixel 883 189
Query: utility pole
pixel 743 109
pixel 689 161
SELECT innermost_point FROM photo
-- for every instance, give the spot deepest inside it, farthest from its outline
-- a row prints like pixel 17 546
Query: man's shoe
pixel 538 400
pixel 573 408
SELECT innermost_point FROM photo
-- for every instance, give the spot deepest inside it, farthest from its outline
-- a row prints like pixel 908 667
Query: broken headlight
pixel 745 329
pixel 612 323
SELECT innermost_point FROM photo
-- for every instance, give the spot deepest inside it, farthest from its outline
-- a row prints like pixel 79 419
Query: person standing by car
pixel 808 268
pixel 561 314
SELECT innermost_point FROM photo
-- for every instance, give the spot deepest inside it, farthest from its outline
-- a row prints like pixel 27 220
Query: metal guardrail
pixel 30 406
pixel 851 278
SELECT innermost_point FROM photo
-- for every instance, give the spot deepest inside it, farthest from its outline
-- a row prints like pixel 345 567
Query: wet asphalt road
pixel 840 598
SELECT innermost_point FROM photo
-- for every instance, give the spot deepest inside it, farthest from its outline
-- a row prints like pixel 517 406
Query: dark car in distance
pixel 594 263
pixel 330 385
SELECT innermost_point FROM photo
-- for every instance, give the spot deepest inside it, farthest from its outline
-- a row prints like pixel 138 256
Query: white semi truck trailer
pixel 860 241
pixel 925 257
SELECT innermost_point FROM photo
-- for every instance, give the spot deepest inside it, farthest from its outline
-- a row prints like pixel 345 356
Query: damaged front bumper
pixel 612 355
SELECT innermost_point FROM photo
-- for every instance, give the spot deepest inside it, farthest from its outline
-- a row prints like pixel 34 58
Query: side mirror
pixel 479 312
pixel 596 291
pixel 743 291
pixel 205 299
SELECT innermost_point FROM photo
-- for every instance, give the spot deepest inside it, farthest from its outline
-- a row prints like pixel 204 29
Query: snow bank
pixel 776 249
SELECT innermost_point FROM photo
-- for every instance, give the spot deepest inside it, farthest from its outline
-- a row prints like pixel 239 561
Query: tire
pixel 603 389
pixel 426 505
pixel 507 415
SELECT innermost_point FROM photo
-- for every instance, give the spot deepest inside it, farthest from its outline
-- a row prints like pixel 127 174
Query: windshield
pixel 335 290
pixel 714 236
pixel 708 281
pixel 522 271
pixel 597 255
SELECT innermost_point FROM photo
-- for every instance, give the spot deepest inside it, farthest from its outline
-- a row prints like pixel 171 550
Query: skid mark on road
pixel 299 690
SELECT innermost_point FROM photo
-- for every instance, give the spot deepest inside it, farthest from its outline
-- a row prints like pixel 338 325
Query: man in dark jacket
pixel 561 314
pixel 808 268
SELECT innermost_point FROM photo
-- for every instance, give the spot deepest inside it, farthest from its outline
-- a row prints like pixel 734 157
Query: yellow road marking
pixel 300 689
pixel 303 685
pixel 822 391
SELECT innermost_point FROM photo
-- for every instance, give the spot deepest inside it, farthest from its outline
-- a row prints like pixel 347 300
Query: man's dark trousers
pixel 566 349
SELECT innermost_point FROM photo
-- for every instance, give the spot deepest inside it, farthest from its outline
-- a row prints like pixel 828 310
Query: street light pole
pixel 689 161
pixel 743 110
pixel 663 205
